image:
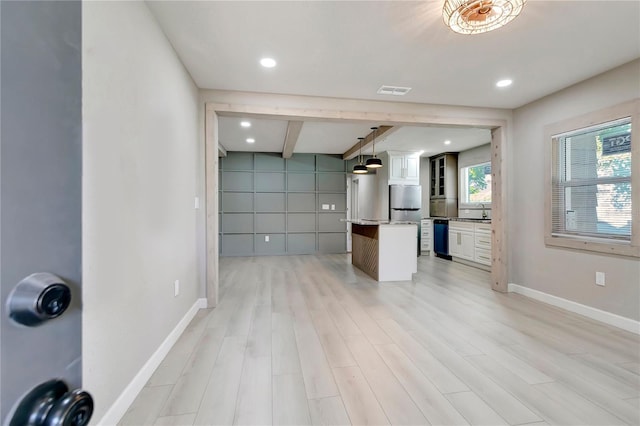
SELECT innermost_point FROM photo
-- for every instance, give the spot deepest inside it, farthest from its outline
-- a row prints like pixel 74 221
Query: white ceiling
pixel 348 49
pixel 330 137
pixel 268 134
pixel 431 140
pixel 325 137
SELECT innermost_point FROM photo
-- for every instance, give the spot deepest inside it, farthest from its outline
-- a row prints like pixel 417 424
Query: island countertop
pixel 376 222
pixel 385 250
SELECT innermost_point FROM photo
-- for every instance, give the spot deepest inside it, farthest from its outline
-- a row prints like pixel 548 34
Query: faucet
pixel 484 212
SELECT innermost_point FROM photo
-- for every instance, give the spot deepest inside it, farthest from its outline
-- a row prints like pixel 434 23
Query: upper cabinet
pixel 404 168
pixel 443 185
pixel 444 176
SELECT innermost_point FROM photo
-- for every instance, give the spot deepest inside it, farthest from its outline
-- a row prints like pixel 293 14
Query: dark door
pixel 40 187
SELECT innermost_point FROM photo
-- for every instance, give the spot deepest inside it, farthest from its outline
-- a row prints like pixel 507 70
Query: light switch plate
pixel 600 278
pixel 325 207
pixel 266 238
pixel 176 288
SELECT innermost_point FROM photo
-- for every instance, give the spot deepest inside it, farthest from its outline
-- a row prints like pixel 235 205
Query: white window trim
pixel 464 190
pixel 622 248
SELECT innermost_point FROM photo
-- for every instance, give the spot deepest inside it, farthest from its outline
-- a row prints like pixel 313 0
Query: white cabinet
pixel 404 168
pixel 412 167
pixel 470 241
pixel 461 240
pixel 482 243
pixel 426 232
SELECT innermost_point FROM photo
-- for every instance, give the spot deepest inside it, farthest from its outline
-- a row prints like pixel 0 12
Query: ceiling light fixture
pixel 480 16
pixel 504 83
pixel 268 62
pixel 447 142
pixel 360 168
pixel 250 140
pixel 374 162
pixel 245 124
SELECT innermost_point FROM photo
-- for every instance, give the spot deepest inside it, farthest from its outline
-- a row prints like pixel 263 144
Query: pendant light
pixel 374 162
pixel 360 168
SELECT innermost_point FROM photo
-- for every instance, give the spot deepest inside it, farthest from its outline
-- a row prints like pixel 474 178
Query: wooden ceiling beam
pixel 368 140
pixel 291 139
pixel 222 151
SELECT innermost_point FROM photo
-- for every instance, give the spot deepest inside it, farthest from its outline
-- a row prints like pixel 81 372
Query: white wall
pixel 367 194
pixel 141 135
pixel 561 272
pixel 425 183
pixel 473 156
pixel 382 189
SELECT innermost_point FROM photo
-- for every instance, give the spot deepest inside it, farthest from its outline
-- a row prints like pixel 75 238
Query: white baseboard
pixel 126 398
pixel 578 308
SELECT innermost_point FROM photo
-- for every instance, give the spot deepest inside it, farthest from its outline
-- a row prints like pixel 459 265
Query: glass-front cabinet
pixel 444 185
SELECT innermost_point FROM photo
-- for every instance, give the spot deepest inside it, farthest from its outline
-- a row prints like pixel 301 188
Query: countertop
pixel 467 219
pixel 375 222
pixel 461 219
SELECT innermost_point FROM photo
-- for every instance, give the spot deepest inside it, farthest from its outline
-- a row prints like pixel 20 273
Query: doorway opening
pixel 497 126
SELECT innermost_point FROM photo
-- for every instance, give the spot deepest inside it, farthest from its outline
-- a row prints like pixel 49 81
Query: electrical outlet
pixel 571 221
pixel 600 278
pixel 266 238
pixel 333 206
pixel 176 288
pixel 325 207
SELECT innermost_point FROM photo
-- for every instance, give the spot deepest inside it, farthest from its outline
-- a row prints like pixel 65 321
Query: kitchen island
pixel 386 251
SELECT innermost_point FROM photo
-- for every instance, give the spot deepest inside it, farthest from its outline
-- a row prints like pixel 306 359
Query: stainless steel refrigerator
pixel 405 203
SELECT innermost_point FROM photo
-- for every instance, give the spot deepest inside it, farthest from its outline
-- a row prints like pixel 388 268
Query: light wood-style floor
pixel 310 340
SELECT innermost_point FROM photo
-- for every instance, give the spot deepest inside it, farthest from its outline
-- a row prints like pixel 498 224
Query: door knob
pixel 51 404
pixel 38 298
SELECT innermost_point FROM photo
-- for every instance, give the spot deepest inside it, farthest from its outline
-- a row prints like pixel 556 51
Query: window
pixel 592 186
pixel 476 184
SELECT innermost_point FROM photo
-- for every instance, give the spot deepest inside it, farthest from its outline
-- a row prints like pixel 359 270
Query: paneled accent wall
pixel 264 195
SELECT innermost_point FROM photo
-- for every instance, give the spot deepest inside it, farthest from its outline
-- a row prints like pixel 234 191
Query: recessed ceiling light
pixel 268 62
pixel 447 142
pixel 504 83
pixel 245 124
pixel 250 140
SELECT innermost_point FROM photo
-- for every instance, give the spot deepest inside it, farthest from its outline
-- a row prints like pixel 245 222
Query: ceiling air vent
pixel 393 90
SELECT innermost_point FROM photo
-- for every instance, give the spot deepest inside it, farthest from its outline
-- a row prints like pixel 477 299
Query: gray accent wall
pixel 264 195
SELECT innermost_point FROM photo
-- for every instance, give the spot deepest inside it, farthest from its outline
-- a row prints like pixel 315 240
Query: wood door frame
pixel 349 210
pixel 498 127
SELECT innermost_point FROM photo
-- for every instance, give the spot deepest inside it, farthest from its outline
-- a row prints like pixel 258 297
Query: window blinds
pixel 591 182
